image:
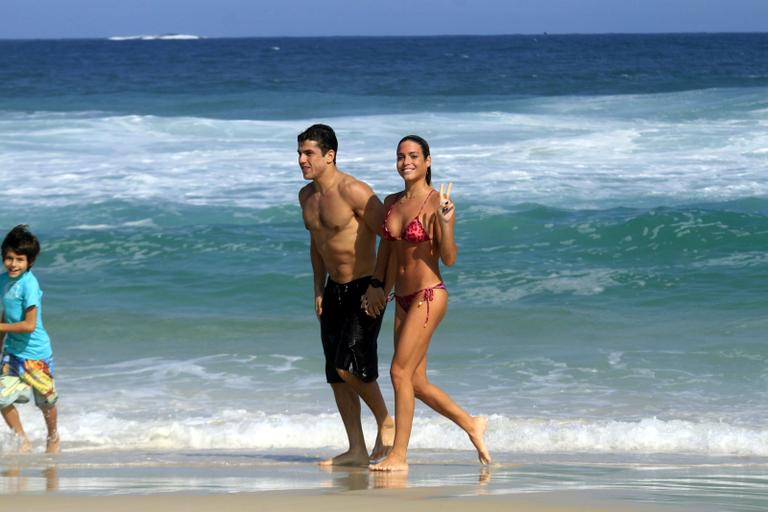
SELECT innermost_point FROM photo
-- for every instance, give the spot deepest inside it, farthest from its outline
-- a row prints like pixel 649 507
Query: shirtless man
pixel 343 217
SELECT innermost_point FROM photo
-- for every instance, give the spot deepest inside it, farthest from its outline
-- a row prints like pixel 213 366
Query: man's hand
pixel 319 306
pixel 374 301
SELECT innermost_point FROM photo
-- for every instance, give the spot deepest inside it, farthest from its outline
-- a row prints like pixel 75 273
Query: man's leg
pixel 348 403
pixel 371 395
pixel 362 359
pixel 11 417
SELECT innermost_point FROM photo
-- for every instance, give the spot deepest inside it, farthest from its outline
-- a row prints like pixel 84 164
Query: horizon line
pixel 359 36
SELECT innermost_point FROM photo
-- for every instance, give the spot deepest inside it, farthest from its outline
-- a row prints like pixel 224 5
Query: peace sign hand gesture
pixel 446 205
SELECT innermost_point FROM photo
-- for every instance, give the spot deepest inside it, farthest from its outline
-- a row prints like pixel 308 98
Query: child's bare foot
pixel 52 444
pixel 23 444
pixel 391 463
pixel 477 436
pixel 384 439
pixel 348 458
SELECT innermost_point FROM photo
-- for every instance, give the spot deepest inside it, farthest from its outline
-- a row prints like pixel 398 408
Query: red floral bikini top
pixel 414 231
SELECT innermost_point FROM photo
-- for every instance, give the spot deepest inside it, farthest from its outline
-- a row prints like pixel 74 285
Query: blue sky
pixel 237 18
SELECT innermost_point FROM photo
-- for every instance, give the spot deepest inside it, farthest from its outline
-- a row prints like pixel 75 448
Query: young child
pixel 27 363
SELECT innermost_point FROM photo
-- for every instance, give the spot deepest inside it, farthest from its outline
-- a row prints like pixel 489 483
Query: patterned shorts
pixel 21 380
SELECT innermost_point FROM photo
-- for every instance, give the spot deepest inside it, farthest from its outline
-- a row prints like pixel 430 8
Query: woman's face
pixel 411 164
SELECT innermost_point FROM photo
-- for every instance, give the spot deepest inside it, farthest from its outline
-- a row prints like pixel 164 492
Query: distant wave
pixel 595 169
pixel 160 37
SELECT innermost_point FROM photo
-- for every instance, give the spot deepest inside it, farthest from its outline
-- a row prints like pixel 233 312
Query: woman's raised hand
pixel 446 205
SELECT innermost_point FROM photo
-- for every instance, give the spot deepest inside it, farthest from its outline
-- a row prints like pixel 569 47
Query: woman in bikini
pixel 417 234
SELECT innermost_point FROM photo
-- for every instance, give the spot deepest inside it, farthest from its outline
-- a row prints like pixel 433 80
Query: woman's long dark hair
pixel 424 149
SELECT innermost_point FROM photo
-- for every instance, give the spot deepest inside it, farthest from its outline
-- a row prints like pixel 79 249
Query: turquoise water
pixel 612 203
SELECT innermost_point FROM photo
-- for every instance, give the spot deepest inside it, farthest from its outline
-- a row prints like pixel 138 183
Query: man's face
pixel 312 160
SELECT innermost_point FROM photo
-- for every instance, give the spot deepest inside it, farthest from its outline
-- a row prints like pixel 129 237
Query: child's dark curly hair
pixel 21 241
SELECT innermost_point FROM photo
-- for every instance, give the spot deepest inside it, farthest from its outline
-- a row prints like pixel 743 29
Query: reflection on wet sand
pixel 348 478
pixel 20 479
pixel 483 479
pixel 356 479
pixel 389 479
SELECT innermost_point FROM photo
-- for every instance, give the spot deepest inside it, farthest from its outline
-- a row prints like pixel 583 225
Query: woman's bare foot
pixel 384 439
pixel 52 444
pixel 477 436
pixel 391 463
pixel 349 458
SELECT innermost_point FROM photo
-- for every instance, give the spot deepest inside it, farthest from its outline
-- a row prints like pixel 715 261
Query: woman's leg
pixel 411 343
pixel 440 401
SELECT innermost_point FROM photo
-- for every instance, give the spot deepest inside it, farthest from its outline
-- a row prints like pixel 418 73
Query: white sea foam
pixel 159 37
pixel 488 288
pixel 741 260
pixel 143 223
pixel 254 430
pixel 601 151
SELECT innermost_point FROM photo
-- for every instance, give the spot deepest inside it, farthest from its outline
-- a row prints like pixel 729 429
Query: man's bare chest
pixel 326 215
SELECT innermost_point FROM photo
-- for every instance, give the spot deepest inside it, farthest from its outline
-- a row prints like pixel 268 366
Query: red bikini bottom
pixel 405 301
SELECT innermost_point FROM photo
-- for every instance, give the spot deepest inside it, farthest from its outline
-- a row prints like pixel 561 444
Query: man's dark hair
pixel 21 241
pixel 324 136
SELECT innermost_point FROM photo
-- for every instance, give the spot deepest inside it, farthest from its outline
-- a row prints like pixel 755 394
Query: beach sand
pixel 213 481
pixel 402 500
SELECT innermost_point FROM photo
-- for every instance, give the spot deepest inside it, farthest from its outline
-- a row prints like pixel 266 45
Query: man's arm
pixel 366 205
pixel 318 266
pixel 319 272
pixel 375 298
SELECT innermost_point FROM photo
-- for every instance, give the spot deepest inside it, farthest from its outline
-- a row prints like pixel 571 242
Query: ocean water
pixel 611 291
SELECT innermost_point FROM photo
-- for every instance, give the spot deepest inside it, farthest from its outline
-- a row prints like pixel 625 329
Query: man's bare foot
pixel 477 436
pixel 349 458
pixel 384 439
pixel 52 444
pixel 391 463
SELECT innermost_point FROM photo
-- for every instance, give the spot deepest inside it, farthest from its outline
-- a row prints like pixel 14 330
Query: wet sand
pixel 440 482
pixel 380 500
